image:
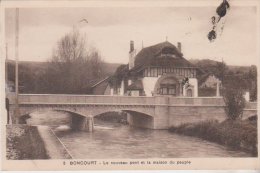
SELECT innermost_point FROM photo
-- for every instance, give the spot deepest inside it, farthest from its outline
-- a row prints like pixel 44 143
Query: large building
pixel 160 69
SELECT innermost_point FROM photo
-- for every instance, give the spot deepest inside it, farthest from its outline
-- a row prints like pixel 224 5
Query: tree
pixel 221 70
pixel 73 65
pixel 235 103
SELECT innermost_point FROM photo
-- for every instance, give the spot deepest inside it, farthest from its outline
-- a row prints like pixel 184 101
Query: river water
pixel 113 140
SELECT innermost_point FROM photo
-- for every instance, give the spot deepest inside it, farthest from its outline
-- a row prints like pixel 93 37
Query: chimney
pixel 131 46
pixel 179 46
pixel 131 55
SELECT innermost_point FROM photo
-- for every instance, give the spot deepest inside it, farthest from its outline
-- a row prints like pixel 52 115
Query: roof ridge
pixel 158 44
pixel 100 81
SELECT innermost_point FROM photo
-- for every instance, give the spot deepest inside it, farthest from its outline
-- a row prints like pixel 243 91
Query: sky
pixel 110 29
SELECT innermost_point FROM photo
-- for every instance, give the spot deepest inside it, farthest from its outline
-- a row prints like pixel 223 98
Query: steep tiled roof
pixel 150 56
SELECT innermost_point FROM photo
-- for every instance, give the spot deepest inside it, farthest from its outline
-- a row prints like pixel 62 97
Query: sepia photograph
pixel 130 81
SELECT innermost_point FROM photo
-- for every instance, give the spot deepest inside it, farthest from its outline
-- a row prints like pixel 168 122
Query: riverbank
pixel 238 135
pixel 55 149
pixel 24 143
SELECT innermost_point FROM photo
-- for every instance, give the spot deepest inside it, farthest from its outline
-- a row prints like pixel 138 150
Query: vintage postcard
pixel 124 85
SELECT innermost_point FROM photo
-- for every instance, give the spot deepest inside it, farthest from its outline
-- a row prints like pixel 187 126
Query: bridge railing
pixel 122 100
pixel 83 99
pixel 196 101
pixel 204 101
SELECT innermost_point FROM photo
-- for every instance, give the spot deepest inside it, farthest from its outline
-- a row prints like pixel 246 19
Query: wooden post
pixel 16 63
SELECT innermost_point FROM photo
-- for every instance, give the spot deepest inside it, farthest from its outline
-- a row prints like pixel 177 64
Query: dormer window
pixel 168 51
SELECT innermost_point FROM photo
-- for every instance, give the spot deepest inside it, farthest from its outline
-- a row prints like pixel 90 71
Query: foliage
pixel 69 71
pixel 34 76
pixel 72 65
pixel 24 143
pixel 235 103
pixel 234 134
pixel 217 68
pixel 221 70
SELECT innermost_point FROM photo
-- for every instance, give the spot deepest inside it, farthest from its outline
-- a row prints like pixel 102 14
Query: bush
pixel 234 134
pixel 235 103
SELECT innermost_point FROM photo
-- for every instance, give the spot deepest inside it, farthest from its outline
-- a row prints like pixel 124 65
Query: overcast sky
pixel 110 30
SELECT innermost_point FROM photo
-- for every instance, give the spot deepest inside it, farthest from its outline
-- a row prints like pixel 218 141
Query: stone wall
pixel 191 114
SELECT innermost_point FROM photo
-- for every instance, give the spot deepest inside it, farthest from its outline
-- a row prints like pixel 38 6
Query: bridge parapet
pixel 82 99
pixel 216 101
pixel 204 101
pixel 121 100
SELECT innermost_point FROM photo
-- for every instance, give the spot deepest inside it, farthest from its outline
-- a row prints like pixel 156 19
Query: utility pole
pixel 6 64
pixel 17 112
pixel 6 84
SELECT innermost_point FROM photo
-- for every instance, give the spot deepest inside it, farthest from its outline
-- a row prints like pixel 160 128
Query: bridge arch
pixel 31 109
pixel 138 118
pixel 144 113
pixel 75 120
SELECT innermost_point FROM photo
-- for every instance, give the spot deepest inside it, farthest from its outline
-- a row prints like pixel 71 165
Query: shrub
pixel 235 103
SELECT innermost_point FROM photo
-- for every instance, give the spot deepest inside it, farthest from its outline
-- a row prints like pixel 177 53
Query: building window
pixel 185 72
pixel 164 91
pixel 154 72
pixel 159 71
pixel 168 89
pixel 149 72
pixel 172 91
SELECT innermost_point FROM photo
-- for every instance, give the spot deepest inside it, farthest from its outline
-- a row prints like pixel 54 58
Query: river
pixel 113 140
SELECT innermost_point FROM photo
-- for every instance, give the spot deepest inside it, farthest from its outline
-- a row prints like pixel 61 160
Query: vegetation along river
pixel 115 140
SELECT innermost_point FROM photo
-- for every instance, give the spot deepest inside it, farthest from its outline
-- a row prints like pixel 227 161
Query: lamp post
pixel 17 112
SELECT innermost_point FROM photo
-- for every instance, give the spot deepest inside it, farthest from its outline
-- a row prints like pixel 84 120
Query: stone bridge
pixel 158 112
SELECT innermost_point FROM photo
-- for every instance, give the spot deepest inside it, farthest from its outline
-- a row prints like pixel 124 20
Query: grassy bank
pixel 234 134
pixel 24 143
